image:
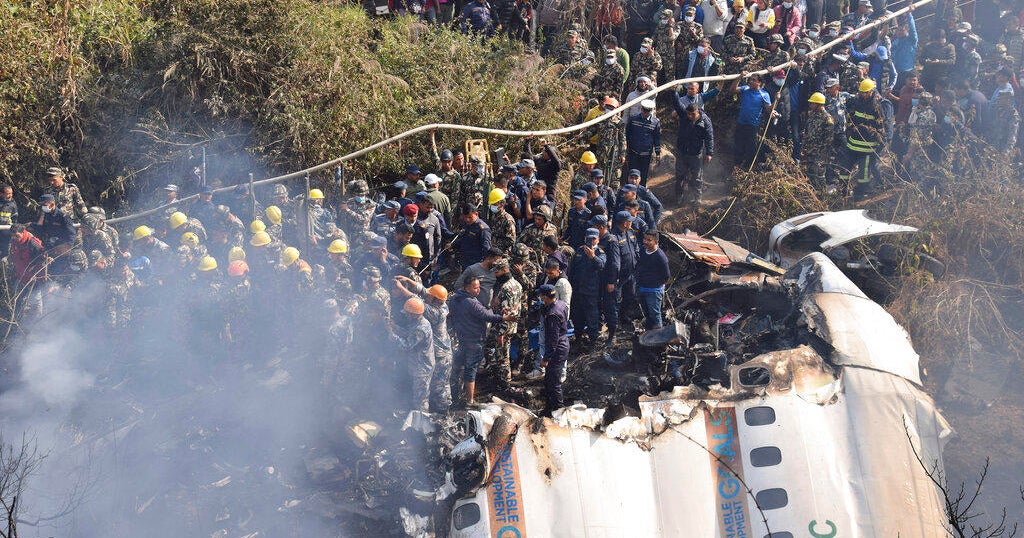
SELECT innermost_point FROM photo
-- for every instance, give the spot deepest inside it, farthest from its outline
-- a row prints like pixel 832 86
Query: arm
pixel 485 239
pixel 709 139
pixel 657 138
pixel 656 205
pixel 912 27
pixel 664 273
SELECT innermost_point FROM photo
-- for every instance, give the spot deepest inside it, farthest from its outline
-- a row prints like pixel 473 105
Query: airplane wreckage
pixel 778 403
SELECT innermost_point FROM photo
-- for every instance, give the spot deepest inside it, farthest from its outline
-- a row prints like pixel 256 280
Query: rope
pixel 504 132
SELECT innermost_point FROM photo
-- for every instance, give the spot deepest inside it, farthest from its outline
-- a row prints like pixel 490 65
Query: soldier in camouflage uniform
pixel 502 223
pixel 817 139
pixel 355 214
pixel 738 50
pixel 920 126
pixel 609 79
pixel 665 42
pixel 533 234
pixel 570 51
pixel 582 71
pixel 372 290
pixel 66 195
pixel 473 183
pixel 179 223
pixel 450 177
pixel 1005 123
pixel 96 238
pixel 238 304
pixel 776 55
pixel 417 344
pixel 289 210
pixel 121 283
pixel 611 144
pixel 648 63
pixel 508 298
pixel 690 34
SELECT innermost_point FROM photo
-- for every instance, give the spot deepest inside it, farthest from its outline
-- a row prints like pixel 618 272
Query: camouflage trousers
pixel 430 384
pixel 498 356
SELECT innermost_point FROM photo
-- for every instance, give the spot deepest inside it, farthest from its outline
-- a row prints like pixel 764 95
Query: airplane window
pixel 466 515
pixel 765 456
pixel 770 499
pixel 759 416
pixel 755 376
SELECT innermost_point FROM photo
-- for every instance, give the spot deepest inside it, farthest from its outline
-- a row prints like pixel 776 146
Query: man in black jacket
pixel 57 232
pixel 556 352
pixel 549 164
pixel 695 145
pixel 469 319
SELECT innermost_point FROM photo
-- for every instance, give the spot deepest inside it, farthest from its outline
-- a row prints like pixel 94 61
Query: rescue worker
pixel 738 50
pixel 475 239
pixel 180 223
pixel 8 216
pixel 275 229
pixel 865 131
pixel 665 36
pixel 609 79
pixel 440 201
pixel 417 345
pixel 648 62
pixel 355 214
pixel 67 195
pixel 473 183
pixel 556 327
pixel 502 224
pixel 338 267
pixel 587 163
pixel 610 148
pixel 508 299
pixel 643 140
pixel 817 141
pixel 695 146
pixel 585 277
pixel 384 223
pixel 690 34
pixel 28 259
pixel 469 319
pixel 577 220
pixel 540 227
pixel 652 275
pixel 56 230
pixel 435 311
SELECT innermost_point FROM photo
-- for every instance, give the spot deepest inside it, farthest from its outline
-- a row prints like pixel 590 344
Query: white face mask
pixel 801 51
pixel 480 169
pixel 787 5
pixel 609 61
pixel 663 22
pixel 643 50
pixel 494 208
pixel 780 81
pixel 812 34
pixel 701 50
pixel 688 19
pixel 47 209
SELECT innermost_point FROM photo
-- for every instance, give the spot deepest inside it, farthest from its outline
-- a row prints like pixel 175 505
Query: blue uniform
pixel 556 352
pixel 576 226
pixel 586 280
pixel 474 243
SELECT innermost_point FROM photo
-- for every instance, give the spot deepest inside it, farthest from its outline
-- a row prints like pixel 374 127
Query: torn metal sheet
pixel 790 240
pixel 826 438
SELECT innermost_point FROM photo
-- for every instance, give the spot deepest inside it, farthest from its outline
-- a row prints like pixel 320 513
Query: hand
pixel 707 158
pixel 589 252
pixel 544 364
pixel 610 288
pixel 622 159
pixel 910 7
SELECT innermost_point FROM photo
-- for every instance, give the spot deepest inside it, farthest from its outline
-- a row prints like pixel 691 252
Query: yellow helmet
pixel 142 231
pixel 289 255
pixel 588 158
pixel 496 196
pixel 236 253
pixel 208 263
pixel 414 305
pixel 316 194
pixel 866 85
pixel 817 98
pixel 177 219
pixel 190 239
pixel 257 226
pixel 412 251
pixel 259 239
pixel 273 214
pixel 338 246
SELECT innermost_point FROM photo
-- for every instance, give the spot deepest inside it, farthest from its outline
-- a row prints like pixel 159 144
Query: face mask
pixel 913 102
pixel 663 22
pixel 801 51
pixel 947 120
pixel 47 209
pixel 812 34
pixel 688 19
pixel 780 81
pixel 832 33
pixel 701 50
pixel 643 50
pixel 609 61
pixel 480 169
pixel 787 5
pixel 494 208
pixel 359 199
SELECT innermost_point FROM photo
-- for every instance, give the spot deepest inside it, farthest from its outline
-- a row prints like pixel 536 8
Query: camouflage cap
pixel 359 187
pixel 647 42
pixel 92 221
pixel 665 14
pixel 775 38
pixel 54 171
pixel 371 272
pixel 520 251
pixel 499 264
pixel 280 190
pixel 543 211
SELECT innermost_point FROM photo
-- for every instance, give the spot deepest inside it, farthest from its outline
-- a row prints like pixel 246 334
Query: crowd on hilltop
pixel 362 273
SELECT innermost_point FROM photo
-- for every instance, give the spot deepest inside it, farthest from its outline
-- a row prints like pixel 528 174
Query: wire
pixel 504 132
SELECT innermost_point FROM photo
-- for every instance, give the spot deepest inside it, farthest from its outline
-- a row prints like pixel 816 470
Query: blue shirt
pixel 904 49
pixel 752 105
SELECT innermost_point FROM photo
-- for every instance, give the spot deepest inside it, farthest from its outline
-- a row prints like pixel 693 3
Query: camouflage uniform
pixel 611 136
pixel 193 225
pixel 418 344
pixel 817 144
pixel 566 55
pixel 355 217
pixel 742 47
pixel 772 59
pixel 98 238
pixel 665 42
pixel 690 34
pixel 450 180
pixel 238 311
pixel 120 285
pixel 526 271
pixel 336 271
pixel 69 198
pixel 507 298
pixel 503 230
pixel 648 66
pixel 608 81
pixel 471 189
pixel 1005 124
pixel 533 236
pixel 849 78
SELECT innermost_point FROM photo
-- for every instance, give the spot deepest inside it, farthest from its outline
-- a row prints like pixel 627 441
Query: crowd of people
pixel 363 273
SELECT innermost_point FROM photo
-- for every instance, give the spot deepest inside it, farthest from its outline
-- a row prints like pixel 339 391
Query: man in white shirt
pixel 716 18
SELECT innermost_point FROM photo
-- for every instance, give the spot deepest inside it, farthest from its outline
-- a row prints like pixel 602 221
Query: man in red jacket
pixel 28 257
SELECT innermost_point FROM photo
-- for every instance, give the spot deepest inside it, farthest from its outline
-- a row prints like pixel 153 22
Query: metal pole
pixel 204 167
pixel 252 194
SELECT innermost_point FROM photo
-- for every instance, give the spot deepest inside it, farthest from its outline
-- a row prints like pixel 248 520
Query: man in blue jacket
pixel 643 140
pixel 585 277
pixel 652 273
pixel 469 321
pixel 556 344
pixel 904 49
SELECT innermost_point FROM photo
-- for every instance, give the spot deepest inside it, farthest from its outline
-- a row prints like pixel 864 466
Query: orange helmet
pixel 238 268
pixel 609 100
pixel 438 292
pixel 414 305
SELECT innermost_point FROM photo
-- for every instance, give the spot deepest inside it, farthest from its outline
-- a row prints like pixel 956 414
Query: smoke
pixel 162 428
